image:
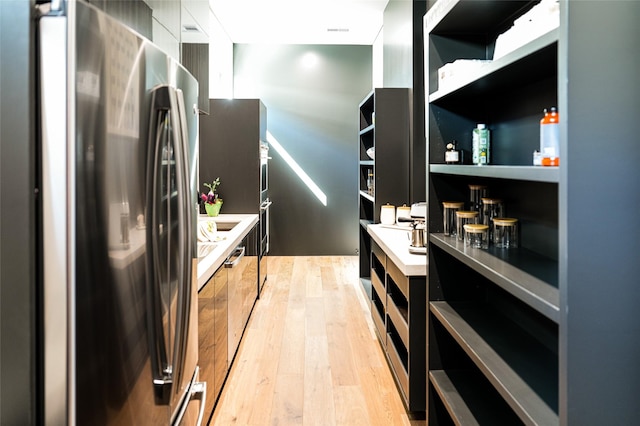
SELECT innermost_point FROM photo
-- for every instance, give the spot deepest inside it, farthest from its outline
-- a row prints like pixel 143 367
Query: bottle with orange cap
pixel 550 137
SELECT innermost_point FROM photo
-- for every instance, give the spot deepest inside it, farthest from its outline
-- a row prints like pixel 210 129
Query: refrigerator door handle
pixel 168 357
pixel 197 392
pixel 185 225
pixel 164 127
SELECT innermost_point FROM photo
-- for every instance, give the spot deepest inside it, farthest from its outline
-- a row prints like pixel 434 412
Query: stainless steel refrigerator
pixel 118 180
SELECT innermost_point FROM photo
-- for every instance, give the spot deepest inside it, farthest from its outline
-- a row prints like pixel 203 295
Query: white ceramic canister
pixel 387 214
pixel 403 212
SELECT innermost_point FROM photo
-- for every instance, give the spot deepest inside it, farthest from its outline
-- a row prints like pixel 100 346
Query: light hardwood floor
pixel 310 355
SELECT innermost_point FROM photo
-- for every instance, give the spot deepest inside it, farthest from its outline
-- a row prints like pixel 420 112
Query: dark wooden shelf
pixel 523 64
pixel 469 399
pixel 522 370
pixel 529 277
pixel 527 173
pixel 457 16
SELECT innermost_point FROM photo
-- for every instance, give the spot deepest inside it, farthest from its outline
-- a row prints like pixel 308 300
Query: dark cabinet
pixel 230 139
pixel 195 58
pixel 398 312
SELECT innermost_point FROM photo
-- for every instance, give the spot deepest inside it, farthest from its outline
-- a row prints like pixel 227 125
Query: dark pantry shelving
pixel 545 334
pixel 385 120
pixel 493 314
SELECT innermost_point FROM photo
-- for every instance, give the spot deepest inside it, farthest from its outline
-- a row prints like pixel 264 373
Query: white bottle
pixel 480 144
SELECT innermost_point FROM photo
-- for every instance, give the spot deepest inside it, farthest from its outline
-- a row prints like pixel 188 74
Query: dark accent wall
pixel 312 110
pixel 403 66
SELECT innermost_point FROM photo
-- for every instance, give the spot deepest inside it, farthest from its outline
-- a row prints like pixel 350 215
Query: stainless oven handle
pixel 264 206
pixel 239 253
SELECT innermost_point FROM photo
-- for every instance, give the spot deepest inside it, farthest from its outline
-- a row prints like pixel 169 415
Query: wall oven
pixel 265 204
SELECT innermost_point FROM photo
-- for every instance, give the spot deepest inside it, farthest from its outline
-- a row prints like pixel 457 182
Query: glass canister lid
pixel 475 228
pixel 466 214
pixel 452 204
pixel 505 221
pixel 491 200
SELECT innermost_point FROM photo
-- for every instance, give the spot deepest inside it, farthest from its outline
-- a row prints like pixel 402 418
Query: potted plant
pixel 212 201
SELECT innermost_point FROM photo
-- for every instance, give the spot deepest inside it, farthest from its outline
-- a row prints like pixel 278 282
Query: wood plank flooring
pixel 310 355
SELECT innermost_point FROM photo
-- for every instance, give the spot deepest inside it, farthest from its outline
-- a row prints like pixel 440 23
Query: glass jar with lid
pixel 505 232
pixel 464 217
pixel 449 220
pixel 491 207
pixel 476 235
pixel 476 194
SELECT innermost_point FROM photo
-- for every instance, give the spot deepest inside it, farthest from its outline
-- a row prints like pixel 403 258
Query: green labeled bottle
pixel 481 142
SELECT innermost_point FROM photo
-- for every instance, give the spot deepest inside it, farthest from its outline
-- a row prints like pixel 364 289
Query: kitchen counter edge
pixel 395 243
pixel 209 264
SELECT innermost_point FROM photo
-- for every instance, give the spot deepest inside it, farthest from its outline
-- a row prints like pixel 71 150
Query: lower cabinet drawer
pixel 398 368
pixel 378 322
pixel 398 322
pixel 378 287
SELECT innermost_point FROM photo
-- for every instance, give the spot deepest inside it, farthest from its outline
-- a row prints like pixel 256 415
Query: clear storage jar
pixel 491 207
pixel 463 218
pixel 505 232
pixel 476 235
pixel 476 194
pixel 449 209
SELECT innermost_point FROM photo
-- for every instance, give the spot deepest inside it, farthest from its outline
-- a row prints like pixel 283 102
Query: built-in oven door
pixel 264 243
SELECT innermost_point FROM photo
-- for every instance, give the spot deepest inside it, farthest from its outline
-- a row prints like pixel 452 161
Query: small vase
pixel 213 209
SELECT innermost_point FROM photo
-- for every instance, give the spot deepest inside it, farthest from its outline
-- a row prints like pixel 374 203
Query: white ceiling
pixel 300 21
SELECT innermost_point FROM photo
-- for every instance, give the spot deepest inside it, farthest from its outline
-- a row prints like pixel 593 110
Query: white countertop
pixel 395 243
pixel 226 242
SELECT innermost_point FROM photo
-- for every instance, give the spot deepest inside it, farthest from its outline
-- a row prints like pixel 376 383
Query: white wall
pixel 220 60
pixel 377 62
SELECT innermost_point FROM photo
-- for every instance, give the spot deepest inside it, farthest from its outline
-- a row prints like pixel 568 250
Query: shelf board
pixel 529 277
pixel 451 16
pixel 528 173
pixel 366 162
pixel 465 395
pixel 523 64
pixel 522 370
pixel 367 196
pixel 367 129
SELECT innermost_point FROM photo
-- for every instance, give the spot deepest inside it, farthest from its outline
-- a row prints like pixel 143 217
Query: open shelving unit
pixel 493 314
pixel 385 122
pixel 543 334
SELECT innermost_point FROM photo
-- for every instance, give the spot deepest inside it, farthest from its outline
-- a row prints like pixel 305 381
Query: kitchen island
pixel 398 310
